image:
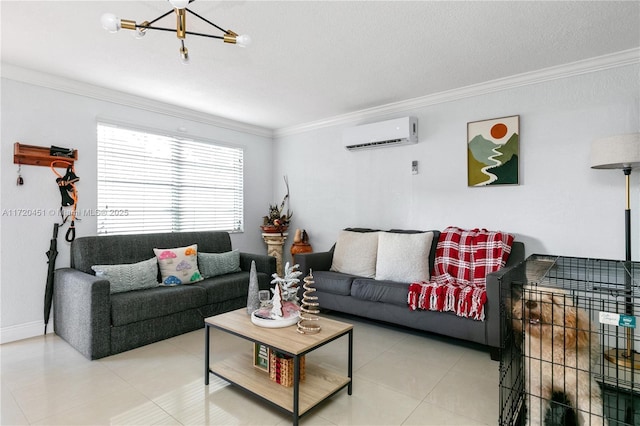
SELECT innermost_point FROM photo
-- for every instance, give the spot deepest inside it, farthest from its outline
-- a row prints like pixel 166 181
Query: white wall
pixel 561 207
pixel 40 116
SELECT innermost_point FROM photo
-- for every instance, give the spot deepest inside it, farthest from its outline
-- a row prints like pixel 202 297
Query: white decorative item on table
pixel 263 317
pixel 253 301
pixel 283 309
pixel 289 283
pixel 276 302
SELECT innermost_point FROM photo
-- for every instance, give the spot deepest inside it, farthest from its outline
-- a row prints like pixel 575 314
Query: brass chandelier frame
pixel 113 24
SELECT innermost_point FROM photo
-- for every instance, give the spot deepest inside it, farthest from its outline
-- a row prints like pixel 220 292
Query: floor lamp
pixel 621 152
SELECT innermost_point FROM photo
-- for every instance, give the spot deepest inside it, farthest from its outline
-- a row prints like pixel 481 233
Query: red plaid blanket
pixel 463 260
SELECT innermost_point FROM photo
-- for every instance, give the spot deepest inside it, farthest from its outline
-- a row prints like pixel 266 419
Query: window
pixel 157 183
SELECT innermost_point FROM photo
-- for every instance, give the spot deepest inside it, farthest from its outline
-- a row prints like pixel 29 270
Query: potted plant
pixel 276 221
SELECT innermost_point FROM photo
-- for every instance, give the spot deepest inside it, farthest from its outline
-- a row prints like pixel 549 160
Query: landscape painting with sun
pixel 492 151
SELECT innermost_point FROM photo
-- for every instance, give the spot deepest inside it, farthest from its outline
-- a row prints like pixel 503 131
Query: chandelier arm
pixel 204 35
pixel 206 20
pixel 161 16
pixel 149 27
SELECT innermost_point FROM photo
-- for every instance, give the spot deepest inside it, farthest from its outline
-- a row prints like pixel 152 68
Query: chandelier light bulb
pixel 179 4
pixel 184 55
pixel 110 22
pixel 243 40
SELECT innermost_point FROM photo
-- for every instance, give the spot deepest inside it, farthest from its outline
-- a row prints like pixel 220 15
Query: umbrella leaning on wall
pixel 52 253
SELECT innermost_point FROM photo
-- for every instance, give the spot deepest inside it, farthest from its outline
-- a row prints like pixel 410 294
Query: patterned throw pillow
pixel 178 265
pixel 127 277
pixel 214 264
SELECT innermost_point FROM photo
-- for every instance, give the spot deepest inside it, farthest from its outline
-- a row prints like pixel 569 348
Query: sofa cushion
pixel 403 257
pixel 129 276
pixel 141 305
pixel 178 265
pixel 333 282
pixel 225 287
pixel 391 292
pixel 117 249
pixel 355 253
pixel 214 264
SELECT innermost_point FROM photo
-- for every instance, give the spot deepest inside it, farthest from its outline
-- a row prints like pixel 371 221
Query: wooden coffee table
pixel 319 384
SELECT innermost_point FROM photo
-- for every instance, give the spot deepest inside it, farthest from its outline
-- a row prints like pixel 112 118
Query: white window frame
pixel 150 181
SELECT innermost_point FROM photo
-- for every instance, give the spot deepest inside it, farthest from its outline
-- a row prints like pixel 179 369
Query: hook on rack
pixel 20 180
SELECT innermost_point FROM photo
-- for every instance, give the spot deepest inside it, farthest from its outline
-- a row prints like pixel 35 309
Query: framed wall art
pixel 493 148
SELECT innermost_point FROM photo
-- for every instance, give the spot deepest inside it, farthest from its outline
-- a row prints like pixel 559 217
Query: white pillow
pixel 355 253
pixel 403 257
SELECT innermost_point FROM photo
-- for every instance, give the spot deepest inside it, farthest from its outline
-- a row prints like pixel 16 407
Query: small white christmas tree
pixel 289 283
pixel 277 302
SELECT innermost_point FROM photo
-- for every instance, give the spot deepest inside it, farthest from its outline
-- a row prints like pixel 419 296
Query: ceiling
pixel 311 60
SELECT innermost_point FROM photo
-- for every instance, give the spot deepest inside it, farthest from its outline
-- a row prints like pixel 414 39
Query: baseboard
pixel 23 331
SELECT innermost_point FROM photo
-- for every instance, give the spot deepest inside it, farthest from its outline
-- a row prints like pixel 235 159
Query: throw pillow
pixel 404 257
pixel 355 253
pixel 214 264
pixel 132 276
pixel 178 265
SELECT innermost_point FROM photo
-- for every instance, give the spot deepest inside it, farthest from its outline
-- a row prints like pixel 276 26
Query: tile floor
pixel 401 377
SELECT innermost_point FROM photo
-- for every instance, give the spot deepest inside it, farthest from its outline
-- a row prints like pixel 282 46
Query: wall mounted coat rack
pixel 40 156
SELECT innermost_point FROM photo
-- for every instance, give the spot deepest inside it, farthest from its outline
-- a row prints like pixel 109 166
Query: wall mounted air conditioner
pixel 400 131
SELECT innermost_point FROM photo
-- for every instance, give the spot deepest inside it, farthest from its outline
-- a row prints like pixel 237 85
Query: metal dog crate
pixel 608 293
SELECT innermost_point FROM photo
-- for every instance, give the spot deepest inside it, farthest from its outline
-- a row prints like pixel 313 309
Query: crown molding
pixel 599 63
pixel 586 66
pixel 50 81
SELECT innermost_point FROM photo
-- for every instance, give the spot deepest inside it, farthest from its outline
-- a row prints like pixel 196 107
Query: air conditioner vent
pixel 375 144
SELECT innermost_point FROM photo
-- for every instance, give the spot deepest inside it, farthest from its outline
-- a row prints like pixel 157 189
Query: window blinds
pixel 157 183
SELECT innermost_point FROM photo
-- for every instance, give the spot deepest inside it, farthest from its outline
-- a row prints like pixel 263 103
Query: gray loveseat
pixel 386 300
pixel 98 323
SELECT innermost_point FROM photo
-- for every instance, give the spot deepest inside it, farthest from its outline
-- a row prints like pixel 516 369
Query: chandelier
pixel 112 23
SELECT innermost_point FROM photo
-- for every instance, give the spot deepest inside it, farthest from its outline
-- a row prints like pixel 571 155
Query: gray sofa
pixel 98 323
pixel 386 301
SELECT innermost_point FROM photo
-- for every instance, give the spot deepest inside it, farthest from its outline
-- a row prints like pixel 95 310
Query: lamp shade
pixel 616 152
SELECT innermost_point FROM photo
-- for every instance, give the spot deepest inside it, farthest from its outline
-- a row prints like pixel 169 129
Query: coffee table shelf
pixel 319 383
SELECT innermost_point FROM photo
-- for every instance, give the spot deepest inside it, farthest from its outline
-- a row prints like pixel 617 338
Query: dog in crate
pixel 561 349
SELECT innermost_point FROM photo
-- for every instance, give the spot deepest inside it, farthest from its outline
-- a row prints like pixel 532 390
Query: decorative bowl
pixel 274 322
pixel 273 229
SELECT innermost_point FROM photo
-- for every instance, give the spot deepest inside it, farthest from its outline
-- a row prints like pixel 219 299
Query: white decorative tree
pixel 289 283
pixel 277 302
